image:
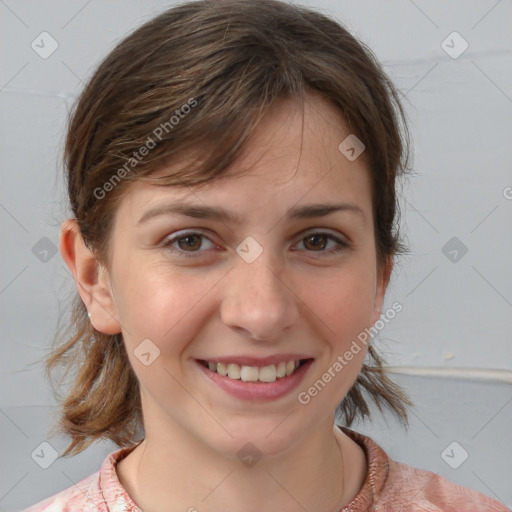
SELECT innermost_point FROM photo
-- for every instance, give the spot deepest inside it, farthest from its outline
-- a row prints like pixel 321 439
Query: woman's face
pixel 273 286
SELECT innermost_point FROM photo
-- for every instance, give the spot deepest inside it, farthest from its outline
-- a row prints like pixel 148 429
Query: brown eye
pixel 316 242
pixel 191 242
pixel 188 244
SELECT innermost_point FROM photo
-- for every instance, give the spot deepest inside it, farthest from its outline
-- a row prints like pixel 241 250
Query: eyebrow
pixel 199 211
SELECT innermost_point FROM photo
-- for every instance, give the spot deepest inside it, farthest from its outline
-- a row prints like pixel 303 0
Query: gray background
pixel 450 347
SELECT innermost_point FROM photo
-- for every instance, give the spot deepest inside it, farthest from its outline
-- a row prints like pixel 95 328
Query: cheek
pixel 343 307
pixel 170 311
pixel 343 301
pixel 167 308
pixel 342 310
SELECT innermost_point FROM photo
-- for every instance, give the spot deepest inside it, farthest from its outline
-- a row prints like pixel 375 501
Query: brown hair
pixel 202 75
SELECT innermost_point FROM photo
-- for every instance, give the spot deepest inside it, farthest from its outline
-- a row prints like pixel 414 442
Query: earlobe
pixel 91 278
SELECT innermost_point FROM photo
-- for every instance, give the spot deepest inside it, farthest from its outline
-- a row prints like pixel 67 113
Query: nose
pixel 258 301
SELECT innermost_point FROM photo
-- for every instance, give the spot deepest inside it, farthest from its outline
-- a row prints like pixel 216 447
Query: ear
pixel 91 278
pixel 383 275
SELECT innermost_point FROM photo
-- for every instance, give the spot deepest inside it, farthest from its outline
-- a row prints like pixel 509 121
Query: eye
pixel 319 240
pixel 188 244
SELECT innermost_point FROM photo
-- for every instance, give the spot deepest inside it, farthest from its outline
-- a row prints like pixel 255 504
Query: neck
pixel 322 472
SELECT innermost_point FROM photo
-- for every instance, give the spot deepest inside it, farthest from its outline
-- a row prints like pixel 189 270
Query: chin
pixel 268 437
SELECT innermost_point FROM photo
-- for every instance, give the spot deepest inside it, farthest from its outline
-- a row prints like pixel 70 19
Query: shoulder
pixel 392 485
pixel 100 492
pixel 429 491
pixel 85 496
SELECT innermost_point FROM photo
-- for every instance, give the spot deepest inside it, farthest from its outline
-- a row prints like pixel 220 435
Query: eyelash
pixel 194 254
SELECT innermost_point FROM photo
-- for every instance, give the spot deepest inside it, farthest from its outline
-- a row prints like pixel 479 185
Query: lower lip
pixel 258 391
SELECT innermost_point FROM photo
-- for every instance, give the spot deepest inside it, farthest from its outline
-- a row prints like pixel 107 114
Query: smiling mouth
pixel 264 374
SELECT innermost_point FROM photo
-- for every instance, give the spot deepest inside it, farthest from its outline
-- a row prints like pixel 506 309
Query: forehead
pixel 292 156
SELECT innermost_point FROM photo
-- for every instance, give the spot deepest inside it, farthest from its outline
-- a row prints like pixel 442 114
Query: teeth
pixel 281 370
pixel 268 373
pixel 222 369
pixel 252 373
pixel 233 371
pixel 248 373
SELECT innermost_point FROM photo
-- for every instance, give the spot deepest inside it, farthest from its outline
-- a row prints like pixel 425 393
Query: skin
pixel 296 297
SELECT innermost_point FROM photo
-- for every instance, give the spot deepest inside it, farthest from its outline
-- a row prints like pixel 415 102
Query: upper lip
pixel 256 361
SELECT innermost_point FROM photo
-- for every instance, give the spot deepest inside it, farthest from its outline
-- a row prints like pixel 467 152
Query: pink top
pixel 389 486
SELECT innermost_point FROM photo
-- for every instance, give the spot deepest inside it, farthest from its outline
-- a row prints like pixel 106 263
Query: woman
pixel 231 172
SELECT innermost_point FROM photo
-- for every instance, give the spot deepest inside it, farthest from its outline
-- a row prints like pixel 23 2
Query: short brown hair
pixel 230 61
